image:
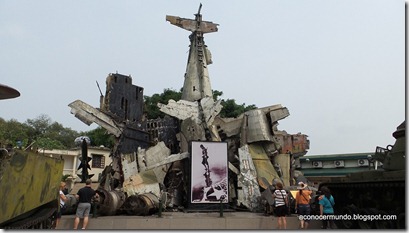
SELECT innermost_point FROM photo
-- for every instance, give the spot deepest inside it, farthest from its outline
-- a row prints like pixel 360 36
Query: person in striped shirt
pixel 281 205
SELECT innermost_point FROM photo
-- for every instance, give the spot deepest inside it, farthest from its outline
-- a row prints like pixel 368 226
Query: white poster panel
pixel 209 180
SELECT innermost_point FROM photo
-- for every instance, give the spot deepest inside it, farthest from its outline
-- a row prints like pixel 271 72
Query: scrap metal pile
pixel 150 159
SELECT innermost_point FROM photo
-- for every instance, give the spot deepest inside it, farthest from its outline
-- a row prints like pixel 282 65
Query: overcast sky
pixel 337 65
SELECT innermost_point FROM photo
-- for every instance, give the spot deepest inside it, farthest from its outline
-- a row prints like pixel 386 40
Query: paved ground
pixel 191 221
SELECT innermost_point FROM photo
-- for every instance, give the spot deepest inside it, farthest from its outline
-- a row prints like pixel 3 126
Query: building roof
pixel 336 156
pixel 328 169
pixel 331 171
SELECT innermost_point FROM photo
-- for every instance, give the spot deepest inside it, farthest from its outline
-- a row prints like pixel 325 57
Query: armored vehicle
pixel 29 184
pixel 374 199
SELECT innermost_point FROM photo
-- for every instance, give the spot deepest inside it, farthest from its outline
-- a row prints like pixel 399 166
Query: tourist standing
pixel 281 205
pixel 84 196
pixel 326 201
pixel 63 199
pixel 302 203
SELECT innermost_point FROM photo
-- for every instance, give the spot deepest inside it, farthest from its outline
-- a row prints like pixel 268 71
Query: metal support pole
pixel 94 209
pixel 221 207
pixel 160 209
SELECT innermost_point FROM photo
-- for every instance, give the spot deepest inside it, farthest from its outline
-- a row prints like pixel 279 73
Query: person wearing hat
pixel 302 203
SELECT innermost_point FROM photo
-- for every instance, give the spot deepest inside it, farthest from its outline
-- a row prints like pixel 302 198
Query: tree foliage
pixel 152 110
pixel 12 132
pixel 42 131
pixel 49 143
pixel 231 109
pixel 99 136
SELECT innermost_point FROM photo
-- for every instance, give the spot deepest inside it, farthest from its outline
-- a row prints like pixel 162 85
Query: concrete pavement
pixel 186 221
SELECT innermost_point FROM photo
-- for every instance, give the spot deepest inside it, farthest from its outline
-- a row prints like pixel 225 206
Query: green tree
pixel 152 110
pixel 39 125
pixel 49 144
pixel 58 132
pixel 230 108
pixel 217 94
pixel 12 132
pixel 50 134
pixel 99 136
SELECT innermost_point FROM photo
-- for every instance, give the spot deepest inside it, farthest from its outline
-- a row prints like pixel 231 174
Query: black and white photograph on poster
pixel 209 172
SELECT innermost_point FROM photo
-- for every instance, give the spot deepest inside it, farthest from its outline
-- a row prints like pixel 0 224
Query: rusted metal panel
pixel 123 101
pixel 192 25
pixel 129 164
pixel 181 109
pixel 197 82
pixel 267 194
pixel 249 193
pixel 191 132
pixel 166 130
pixel 132 138
pixel 143 182
pixel 300 144
pixel 279 114
pixel 88 114
pixel 262 163
pixel 297 144
pixel 210 109
pixel 228 126
pixel 170 159
pixel 258 127
pixel 283 161
pixel 155 155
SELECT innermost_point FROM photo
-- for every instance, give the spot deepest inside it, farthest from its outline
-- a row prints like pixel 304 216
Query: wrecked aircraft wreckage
pixel 152 158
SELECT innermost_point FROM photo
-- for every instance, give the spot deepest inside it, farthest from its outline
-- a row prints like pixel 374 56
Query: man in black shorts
pixel 84 196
